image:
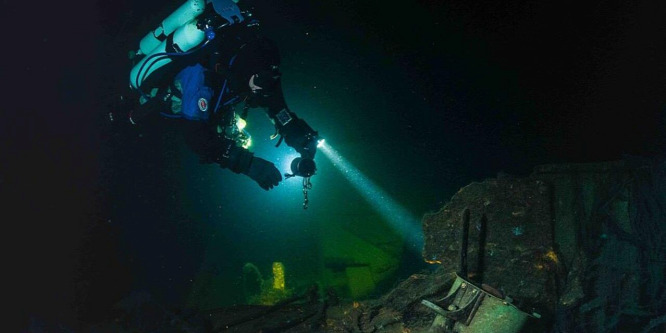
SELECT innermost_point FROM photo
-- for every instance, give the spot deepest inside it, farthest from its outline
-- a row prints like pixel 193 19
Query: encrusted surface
pixel 518 256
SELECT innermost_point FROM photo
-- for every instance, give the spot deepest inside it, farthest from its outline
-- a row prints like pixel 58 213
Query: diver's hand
pixel 309 149
pixel 264 173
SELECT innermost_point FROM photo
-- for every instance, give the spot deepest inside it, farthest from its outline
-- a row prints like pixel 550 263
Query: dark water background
pixel 422 96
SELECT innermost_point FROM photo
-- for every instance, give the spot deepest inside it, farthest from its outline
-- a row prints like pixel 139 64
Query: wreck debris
pixel 581 244
pixel 584 245
pixel 522 265
pixel 475 307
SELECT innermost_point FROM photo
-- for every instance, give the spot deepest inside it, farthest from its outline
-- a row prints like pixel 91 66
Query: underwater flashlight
pixel 304 167
pixel 321 142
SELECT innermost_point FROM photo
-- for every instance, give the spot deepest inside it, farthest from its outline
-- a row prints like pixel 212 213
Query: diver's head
pixel 256 68
pixel 264 81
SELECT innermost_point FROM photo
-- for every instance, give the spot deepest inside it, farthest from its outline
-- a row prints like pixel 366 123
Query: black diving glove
pixel 309 149
pixel 296 133
pixel 264 173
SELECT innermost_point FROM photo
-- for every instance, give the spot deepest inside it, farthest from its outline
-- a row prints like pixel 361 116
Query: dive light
pixel 304 167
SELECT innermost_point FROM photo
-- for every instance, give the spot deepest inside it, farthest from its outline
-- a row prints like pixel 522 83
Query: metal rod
pixel 463 248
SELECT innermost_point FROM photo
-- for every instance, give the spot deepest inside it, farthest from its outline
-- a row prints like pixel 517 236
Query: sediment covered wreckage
pixel 569 248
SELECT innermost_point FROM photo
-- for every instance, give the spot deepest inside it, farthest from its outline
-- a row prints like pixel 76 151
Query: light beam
pixel 398 217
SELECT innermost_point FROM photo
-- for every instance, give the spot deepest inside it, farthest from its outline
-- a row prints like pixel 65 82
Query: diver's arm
pixel 153 106
pixel 294 130
pixel 215 148
pixel 241 160
pixel 127 111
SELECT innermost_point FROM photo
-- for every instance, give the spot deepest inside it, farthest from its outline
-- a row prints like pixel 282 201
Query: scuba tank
pixel 182 40
pixel 185 13
pixel 179 34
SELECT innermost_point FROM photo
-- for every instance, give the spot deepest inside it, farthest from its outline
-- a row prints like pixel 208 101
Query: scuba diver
pixel 198 66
